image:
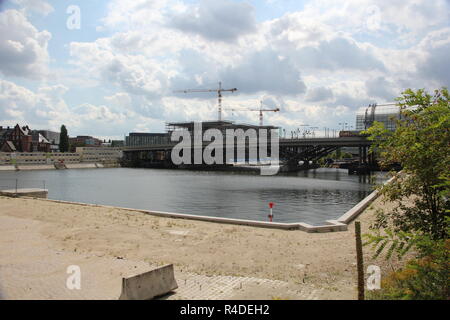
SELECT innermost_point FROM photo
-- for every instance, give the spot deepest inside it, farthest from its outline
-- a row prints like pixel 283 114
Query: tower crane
pixel 219 94
pixel 260 110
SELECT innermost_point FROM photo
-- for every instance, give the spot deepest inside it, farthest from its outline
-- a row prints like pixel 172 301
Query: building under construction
pixel 386 114
pixel 156 147
pixel 222 126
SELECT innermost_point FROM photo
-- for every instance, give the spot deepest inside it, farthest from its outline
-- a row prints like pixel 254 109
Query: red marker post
pixel 271 204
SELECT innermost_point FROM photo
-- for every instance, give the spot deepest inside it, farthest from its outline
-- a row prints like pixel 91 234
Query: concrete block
pixel 150 284
pixel 26 192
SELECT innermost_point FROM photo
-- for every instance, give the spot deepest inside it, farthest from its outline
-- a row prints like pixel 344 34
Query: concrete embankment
pixel 7 168
pixel 36 167
pixel 58 166
pixel 81 166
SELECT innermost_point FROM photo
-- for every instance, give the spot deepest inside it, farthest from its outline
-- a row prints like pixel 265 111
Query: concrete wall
pixel 91 155
pixel 98 154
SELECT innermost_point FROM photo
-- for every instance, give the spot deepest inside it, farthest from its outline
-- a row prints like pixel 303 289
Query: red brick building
pixel 21 139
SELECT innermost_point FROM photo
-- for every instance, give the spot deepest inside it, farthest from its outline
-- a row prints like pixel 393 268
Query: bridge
pixel 296 153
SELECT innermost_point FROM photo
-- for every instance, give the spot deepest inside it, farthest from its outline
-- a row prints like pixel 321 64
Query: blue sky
pixel 319 61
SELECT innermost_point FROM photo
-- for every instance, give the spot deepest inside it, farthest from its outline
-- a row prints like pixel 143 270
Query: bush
pixel 423 278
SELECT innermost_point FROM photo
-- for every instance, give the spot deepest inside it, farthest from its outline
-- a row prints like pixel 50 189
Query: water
pixel 309 196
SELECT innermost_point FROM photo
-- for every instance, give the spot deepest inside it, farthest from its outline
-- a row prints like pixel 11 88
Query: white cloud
pixel 119 100
pixel 136 74
pixel 46 108
pixel 23 49
pixel 39 6
pixel 265 71
pixel 381 88
pixel 319 94
pixel 137 14
pixel 216 20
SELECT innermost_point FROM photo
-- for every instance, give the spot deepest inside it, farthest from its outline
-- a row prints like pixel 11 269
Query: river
pixel 309 196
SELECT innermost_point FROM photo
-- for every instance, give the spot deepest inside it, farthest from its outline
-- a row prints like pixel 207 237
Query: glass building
pixel 386 114
pixel 146 139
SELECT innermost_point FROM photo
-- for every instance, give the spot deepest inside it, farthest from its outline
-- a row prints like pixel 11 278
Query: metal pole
pixel 16 185
pixel 359 260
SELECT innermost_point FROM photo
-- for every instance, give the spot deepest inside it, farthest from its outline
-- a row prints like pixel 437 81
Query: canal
pixel 309 196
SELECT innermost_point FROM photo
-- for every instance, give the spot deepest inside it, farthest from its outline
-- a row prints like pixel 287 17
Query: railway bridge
pixel 296 153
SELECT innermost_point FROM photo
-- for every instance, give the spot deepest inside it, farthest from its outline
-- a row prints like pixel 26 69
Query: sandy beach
pixel 39 239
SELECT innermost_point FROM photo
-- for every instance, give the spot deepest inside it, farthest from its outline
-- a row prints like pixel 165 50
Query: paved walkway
pixel 39 271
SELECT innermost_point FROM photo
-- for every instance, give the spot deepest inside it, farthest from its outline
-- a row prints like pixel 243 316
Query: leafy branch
pixel 399 242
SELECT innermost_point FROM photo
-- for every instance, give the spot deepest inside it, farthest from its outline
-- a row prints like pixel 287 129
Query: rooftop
pixel 225 124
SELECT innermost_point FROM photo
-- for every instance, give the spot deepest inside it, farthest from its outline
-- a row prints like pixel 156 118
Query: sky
pixel 107 68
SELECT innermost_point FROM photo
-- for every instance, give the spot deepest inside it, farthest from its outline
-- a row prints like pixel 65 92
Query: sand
pixel 39 239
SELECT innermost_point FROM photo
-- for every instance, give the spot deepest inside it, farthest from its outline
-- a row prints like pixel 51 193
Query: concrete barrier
pixel 149 285
pixel 80 165
pixel 7 168
pixel 36 167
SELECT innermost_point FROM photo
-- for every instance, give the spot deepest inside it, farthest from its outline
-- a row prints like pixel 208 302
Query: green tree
pixel 421 145
pixel 63 139
pixel 420 194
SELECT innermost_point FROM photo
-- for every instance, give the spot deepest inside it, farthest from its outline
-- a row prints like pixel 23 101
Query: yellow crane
pixel 260 110
pixel 219 94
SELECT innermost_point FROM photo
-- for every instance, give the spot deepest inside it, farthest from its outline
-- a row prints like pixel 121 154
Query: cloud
pixel 437 52
pixel 379 87
pixel 119 100
pixel 318 64
pixel 136 74
pixel 216 20
pixel 404 21
pixel 46 108
pixel 319 94
pixel 39 6
pixel 352 102
pixel 14 101
pixel 134 15
pixel 337 54
pixel 23 49
pixel 265 71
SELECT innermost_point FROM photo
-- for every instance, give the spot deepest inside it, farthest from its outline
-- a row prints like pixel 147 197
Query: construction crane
pixel 260 110
pixel 219 94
